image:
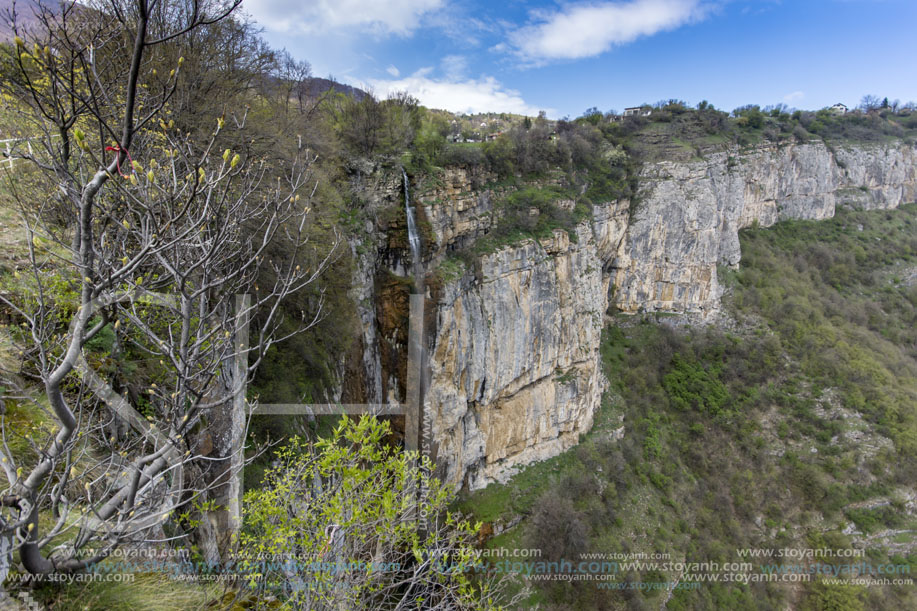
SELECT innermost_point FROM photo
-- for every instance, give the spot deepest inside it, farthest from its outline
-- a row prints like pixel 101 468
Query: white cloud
pixel 317 16
pixel 471 95
pixel 794 96
pixel 454 67
pixel 393 71
pixel 585 30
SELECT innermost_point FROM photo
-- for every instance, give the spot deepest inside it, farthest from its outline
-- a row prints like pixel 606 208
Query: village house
pixel 839 109
pixel 637 111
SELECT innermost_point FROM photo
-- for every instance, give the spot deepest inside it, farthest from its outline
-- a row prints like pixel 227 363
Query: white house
pixel 635 111
pixel 839 109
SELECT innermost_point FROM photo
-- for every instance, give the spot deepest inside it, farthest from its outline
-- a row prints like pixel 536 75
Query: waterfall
pixel 413 237
pixel 414 374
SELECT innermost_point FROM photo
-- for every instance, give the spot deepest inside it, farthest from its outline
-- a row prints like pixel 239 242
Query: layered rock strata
pixel 514 373
pixel 689 215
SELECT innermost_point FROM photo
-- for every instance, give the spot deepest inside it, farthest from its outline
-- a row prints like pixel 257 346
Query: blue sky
pixel 566 56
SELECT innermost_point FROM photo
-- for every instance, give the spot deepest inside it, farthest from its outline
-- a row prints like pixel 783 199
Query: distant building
pixel 839 109
pixel 637 111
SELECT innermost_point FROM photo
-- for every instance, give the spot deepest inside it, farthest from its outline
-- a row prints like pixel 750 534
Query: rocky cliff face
pixel 459 208
pixel 514 370
pixel 690 214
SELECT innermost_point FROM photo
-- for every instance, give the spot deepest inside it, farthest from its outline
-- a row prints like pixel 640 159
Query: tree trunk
pixel 226 429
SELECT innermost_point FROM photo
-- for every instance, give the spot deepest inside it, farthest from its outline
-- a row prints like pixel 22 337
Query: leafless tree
pixel 162 231
pixel 294 80
pixel 870 103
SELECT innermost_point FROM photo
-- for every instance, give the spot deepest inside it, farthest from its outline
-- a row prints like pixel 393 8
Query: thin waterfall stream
pixel 415 437
pixel 413 236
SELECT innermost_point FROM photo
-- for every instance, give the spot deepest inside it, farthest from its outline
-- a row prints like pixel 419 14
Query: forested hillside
pixel 194 225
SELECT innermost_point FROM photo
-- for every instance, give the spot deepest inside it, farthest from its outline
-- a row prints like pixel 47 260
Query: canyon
pixel 512 373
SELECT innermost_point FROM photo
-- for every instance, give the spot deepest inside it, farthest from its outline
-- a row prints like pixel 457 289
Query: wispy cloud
pixel 454 67
pixel 393 71
pixel 795 96
pixel 586 30
pixel 760 7
pixel 485 94
pixel 384 17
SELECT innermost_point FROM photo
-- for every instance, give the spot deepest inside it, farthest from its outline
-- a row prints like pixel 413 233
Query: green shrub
pixel 692 385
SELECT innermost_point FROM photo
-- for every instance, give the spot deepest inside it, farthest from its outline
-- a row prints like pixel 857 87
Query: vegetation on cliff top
pixel 599 156
pixel 674 130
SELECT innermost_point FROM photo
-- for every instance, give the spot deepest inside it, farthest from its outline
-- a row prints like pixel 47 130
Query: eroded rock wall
pixel 458 207
pixel 688 219
pixel 514 373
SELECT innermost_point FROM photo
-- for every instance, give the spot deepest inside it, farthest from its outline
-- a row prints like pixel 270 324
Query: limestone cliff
pixel 513 367
pixel 459 208
pixel 690 213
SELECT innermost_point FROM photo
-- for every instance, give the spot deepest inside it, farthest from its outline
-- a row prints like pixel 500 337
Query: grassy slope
pixel 790 429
